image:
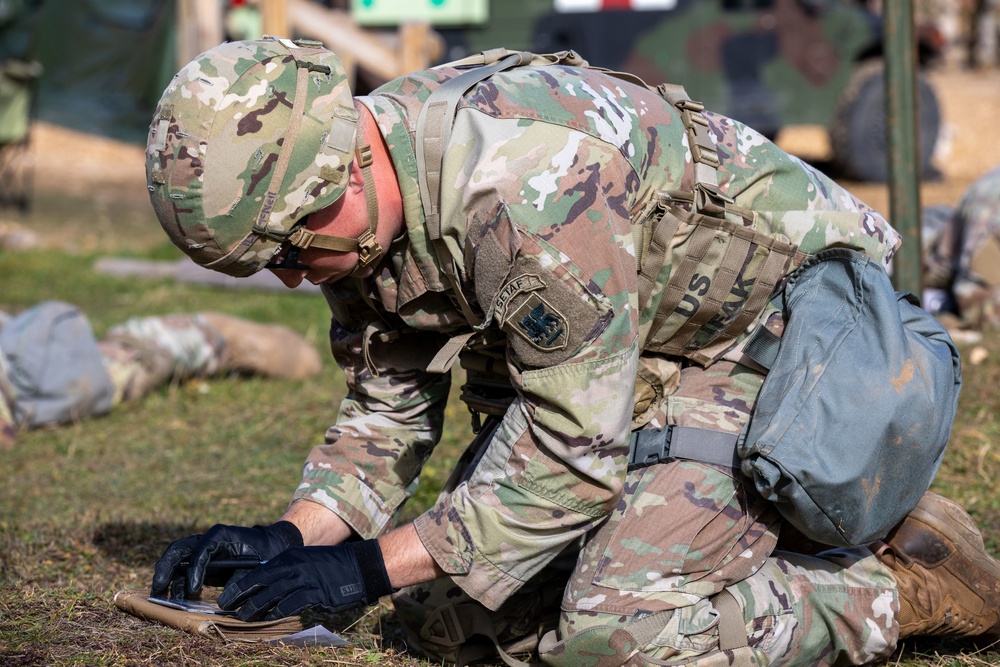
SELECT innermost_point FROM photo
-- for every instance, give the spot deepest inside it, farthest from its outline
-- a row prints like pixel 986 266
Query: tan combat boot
pixel 8 429
pixel 266 349
pixel 948 584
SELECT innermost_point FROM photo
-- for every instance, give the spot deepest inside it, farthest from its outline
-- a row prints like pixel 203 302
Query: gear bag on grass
pixel 853 417
pixel 55 366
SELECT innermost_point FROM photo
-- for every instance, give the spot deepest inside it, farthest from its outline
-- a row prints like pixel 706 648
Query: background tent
pixel 105 62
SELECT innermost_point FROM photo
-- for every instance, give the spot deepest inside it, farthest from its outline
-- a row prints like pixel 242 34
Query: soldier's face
pixel 346 217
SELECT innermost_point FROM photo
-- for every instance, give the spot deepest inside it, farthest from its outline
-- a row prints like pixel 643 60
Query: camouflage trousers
pixel 143 353
pixel 139 356
pixel 644 588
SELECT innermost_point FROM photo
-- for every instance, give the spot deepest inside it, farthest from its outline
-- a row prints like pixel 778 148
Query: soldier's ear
pixel 357 182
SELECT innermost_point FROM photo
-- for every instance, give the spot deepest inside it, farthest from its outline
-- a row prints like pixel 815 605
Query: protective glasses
pixel 287 259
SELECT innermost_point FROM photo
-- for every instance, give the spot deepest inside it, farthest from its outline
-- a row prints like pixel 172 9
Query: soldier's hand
pixel 184 567
pixel 331 578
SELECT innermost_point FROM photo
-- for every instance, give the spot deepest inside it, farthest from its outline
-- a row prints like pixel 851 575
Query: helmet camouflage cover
pixel 248 139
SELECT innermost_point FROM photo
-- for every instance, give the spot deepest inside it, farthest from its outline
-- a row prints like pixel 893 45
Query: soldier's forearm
pixel 318 525
pixel 406 559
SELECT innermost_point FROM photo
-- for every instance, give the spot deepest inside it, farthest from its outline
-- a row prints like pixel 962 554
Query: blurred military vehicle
pixel 767 63
pixel 18 76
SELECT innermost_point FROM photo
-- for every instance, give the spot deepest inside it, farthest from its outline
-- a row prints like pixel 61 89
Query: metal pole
pixel 903 141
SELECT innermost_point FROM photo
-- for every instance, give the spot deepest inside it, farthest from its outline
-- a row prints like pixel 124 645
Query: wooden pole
pixel 340 34
pixel 199 28
pixel 275 16
pixel 186 33
pixel 368 49
pixel 414 38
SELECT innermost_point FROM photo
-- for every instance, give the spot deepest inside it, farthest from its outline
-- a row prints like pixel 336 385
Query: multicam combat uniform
pixel 962 252
pixel 547 172
pixel 138 356
pixel 8 430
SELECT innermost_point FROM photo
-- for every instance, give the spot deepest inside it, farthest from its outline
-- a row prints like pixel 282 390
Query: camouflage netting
pixel 106 61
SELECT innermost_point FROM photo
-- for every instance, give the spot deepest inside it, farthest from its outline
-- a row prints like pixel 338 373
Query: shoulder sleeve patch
pixel 535 294
pixel 548 317
pixel 541 324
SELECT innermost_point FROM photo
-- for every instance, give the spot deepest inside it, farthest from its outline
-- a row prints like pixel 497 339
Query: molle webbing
pixel 748 265
pixel 686 231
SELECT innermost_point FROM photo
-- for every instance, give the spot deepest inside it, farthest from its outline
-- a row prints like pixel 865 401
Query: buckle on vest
pixel 649 447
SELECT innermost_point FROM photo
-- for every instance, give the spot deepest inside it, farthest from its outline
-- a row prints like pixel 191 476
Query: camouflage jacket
pixel 962 256
pixel 545 172
pixel 8 426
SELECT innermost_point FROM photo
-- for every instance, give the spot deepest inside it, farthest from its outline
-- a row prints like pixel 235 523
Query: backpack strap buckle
pixel 650 446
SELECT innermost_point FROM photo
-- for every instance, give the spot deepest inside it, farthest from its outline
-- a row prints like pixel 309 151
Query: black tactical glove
pixel 331 578
pixel 220 542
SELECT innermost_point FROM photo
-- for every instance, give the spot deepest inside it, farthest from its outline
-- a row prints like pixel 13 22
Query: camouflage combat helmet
pixel 249 139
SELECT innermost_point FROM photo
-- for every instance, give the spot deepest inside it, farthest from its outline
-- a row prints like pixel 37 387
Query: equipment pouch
pixel 657 378
pixel 717 274
pixel 854 415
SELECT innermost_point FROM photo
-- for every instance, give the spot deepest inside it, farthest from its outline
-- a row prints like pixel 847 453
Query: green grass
pixel 86 509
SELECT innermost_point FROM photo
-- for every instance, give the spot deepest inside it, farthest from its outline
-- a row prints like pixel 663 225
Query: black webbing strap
pixel 762 347
pixel 660 445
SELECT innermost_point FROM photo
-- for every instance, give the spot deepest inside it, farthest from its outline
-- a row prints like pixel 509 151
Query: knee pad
pixel 444 623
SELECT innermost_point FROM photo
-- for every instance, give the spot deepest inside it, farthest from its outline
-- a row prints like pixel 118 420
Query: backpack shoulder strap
pixel 432 133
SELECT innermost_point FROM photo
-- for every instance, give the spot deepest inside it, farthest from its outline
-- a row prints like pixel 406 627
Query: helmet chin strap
pixel 368 249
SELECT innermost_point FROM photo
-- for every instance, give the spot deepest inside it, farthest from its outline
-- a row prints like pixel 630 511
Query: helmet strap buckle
pixel 302 237
pixel 363 154
pixel 369 250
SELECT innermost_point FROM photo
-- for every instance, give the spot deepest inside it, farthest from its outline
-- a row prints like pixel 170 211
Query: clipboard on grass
pixel 203 617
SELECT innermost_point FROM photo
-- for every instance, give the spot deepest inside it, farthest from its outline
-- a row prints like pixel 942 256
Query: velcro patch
pixel 533 292
pixel 547 318
pixel 538 322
